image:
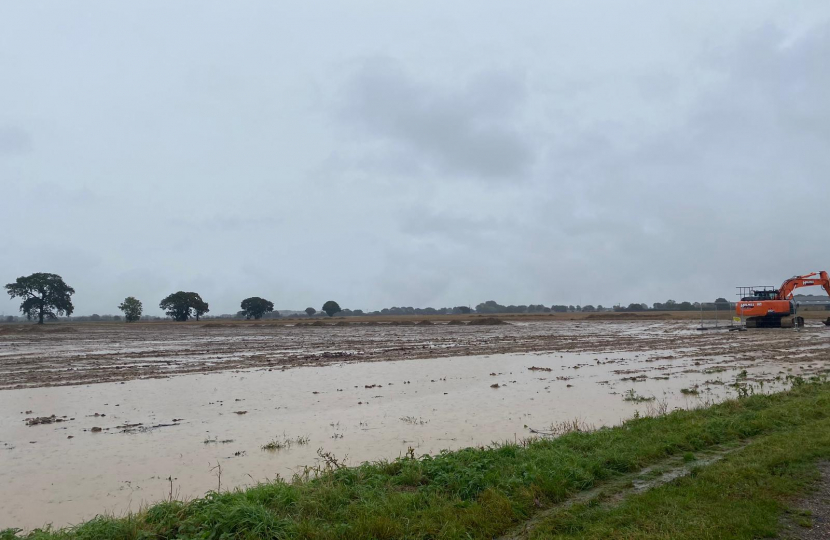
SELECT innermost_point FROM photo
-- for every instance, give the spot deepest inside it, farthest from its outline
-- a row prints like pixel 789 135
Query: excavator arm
pixel 808 280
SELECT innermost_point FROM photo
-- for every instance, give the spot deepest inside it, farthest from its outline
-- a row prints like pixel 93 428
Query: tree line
pixel 46 297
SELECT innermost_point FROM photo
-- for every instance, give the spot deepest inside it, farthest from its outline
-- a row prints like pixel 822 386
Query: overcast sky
pixel 413 153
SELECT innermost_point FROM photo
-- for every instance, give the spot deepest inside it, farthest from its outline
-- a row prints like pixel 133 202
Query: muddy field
pixel 66 354
pixel 106 418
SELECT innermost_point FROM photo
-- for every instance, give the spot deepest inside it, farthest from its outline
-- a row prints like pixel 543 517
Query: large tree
pixel 331 307
pixel 255 307
pixel 183 305
pixel 132 308
pixel 200 307
pixel 310 311
pixel 45 296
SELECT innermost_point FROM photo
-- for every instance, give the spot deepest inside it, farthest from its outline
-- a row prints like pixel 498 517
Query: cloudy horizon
pixel 413 154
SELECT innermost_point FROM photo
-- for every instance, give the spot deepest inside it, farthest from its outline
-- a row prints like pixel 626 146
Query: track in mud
pixel 83 354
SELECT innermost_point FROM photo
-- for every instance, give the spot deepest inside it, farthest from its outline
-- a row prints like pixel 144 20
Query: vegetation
pixel 255 307
pixel 45 296
pixel 631 395
pixel 331 307
pixel 484 492
pixel 285 442
pixel 132 308
pixel 742 496
pixel 183 305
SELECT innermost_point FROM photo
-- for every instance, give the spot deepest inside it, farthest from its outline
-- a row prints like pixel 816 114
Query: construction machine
pixel 767 307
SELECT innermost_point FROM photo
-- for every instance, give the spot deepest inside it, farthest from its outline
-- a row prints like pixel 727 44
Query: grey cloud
pixel 471 129
pixel 571 159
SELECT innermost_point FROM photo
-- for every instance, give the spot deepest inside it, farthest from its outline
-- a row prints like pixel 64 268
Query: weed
pixel 631 395
pixel 285 442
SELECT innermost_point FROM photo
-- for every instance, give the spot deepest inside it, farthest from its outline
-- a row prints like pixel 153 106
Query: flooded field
pixel 143 411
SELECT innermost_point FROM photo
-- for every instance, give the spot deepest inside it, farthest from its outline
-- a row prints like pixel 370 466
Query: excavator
pixel 767 307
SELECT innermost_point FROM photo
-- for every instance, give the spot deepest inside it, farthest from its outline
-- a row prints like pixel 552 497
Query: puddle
pixel 182 426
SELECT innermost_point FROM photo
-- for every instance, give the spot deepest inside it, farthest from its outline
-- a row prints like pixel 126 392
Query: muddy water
pixel 182 427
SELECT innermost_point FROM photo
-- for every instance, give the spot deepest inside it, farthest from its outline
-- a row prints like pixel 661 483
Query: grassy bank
pixel 742 496
pixel 484 492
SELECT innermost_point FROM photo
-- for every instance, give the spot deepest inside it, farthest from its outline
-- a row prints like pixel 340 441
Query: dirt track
pixel 71 354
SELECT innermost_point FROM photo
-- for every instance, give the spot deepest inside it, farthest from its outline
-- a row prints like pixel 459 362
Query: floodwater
pixel 179 431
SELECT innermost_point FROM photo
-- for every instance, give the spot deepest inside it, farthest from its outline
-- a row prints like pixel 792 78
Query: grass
pixel 631 395
pixel 279 444
pixel 484 492
pixel 742 496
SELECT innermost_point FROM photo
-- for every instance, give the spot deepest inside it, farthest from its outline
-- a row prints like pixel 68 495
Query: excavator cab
pixel 750 294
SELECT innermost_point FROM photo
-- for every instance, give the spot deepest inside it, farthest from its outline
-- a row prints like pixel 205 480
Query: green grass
pixel 484 492
pixel 742 496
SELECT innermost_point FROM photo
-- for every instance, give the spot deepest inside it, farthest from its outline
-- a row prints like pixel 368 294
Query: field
pixel 146 412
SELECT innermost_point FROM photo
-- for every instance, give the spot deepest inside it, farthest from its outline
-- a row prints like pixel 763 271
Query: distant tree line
pixel 46 297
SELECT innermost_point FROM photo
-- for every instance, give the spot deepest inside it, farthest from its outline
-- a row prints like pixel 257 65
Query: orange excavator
pixel 767 307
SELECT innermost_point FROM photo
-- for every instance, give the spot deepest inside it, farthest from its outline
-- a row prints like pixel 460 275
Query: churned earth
pixel 108 418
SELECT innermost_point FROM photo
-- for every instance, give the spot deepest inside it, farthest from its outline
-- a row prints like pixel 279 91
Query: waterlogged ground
pixel 181 403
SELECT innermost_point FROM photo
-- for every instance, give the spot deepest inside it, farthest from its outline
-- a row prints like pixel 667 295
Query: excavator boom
pixel 808 280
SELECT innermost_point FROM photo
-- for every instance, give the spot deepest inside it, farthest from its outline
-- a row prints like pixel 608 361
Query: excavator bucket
pixel 827 322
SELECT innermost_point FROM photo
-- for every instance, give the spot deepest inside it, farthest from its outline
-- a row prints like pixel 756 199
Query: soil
pixel 811 519
pixel 62 355
pixel 361 382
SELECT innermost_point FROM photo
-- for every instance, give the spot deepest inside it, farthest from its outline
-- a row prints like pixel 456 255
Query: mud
pixel 84 354
pixel 175 401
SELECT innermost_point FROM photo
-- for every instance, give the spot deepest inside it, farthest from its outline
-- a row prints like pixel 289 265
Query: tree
pixel 722 303
pixel 183 305
pixel 310 311
pixel 132 308
pixel 45 296
pixel 199 306
pixel 177 306
pixel 331 307
pixel 255 307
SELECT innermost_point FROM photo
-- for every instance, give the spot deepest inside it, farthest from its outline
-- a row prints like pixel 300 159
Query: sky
pixel 389 153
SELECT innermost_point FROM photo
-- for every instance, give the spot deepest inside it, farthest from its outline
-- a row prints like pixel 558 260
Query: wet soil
pixel 155 407
pixel 84 354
